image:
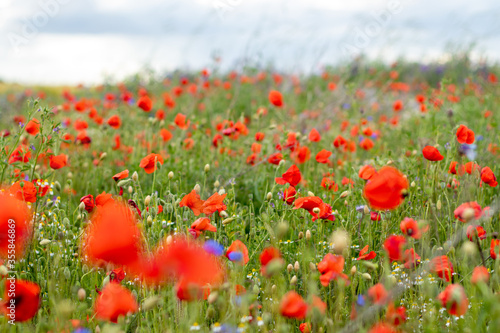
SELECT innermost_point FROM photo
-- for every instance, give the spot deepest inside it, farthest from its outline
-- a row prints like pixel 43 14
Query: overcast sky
pixel 83 41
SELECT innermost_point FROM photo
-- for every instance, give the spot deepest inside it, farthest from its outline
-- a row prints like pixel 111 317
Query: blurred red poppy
pixel 113 302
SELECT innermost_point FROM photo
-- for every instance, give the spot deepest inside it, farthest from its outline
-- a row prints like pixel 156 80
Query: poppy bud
pixel 21 184
pixel 282 162
pixel 170 239
pixel 82 294
pixel 135 176
pixel 310 194
pixel 366 210
pixel 97 329
pixel 149 220
pixel 45 242
pixel 293 280
pixel 222 191
pixel 345 194
pixel 207 167
pixel 274 288
pixel 228 220
pixel 340 240
pixel 468 214
pixel 216 184
pixel 353 270
pixel 269 196
pixel 296 266
pixel 312 267
pixel 197 188
pixel 392 279
pixel 316 210
pixel 468 249
pixel 301 235
pixel 289 268
pixel 130 190
pixel 150 302
pixel 282 229
pixel 3 270
pixel 438 204
pixel 308 234
pixel 223 214
pixel 212 297
pixel 57 186
pixel 103 156
pixel 69 175
pixel 81 207
pixel 366 276
pixel 170 175
pixel 147 200
pixel 412 184
pixel 256 289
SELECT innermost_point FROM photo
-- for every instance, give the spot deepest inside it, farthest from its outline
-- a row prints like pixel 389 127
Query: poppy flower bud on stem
pixel 147 200
pixel 353 270
pixel 366 276
pixel 301 235
pixel 3 270
pixel 81 207
pixel 366 210
pixel 308 234
pixel 57 186
pixel 197 188
pixel 149 220
pixel 227 221
pixel 274 288
pixel 212 297
pixel 310 194
pixel 438 205
pixel 312 267
pixel 293 280
pixel 340 240
pixel 269 196
pixel 222 191
pixel 130 190
pixel 412 184
pixel 170 239
pixel 316 210
pixel 468 214
pixel 150 302
pixel 223 214
pixel 135 176
pixel 282 162
pixel 345 194
pixel 289 268
pixel 170 175
pixel 207 167
pixel 103 156
pixel 82 294
pixel 296 266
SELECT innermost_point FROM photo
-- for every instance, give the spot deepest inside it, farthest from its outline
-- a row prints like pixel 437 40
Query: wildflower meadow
pixel 360 199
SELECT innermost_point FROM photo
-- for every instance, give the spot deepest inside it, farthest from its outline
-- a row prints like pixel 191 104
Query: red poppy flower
pixel 180 121
pixel 148 163
pixel 59 161
pixel 378 294
pixel 385 189
pixel 331 268
pixel 411 258
pixel 365 255
pixel 323 156
pixel 113 302
pixel 328 184
pixel 145 103
pixel 470 167
pixel 275 158
pixel 88 200
pixel 474 206
pixel 366 144
pixel 124 248
pixel 276 98
pixel 397 106
pixel 339 141
pixel 314 135
pixel 305 328
pixel 432 154
pixel 454 299
pixel 453 168
pixel 24 190
pixel 103 199
pixel 192 201
pixel 393 245
pixel 237 246
pixel 465 135
pixel 33 127
pixel 289 195
pixel 203 224
pixel 475 230
pixel 382 328
pixel 20 154
pixel 410 228
pixel 292 176
pixel 480 274
pixel 293 306
pixel 488 177
pixel 395 316
pixel 494 248
pixel 366 172
pixel 115 122
pixel 214 203
pixel 166 135
pixel 14 215
pixel 22 304
pixel 121 175
pixel 267 255
pixel 316 207
pixel 442 267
